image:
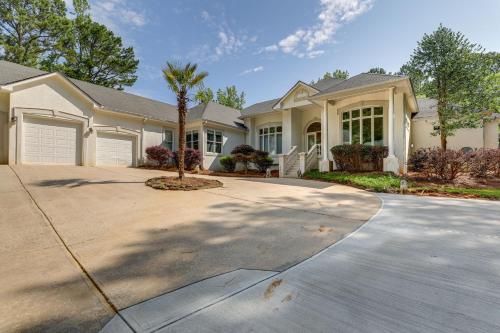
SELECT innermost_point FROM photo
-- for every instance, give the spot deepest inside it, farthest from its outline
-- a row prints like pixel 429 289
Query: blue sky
pixel 264 46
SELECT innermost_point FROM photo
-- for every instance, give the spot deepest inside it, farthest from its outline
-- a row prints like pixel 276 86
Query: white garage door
pixel 48 141
pixel 115 150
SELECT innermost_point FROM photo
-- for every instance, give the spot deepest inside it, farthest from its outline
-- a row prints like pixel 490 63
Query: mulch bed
pixel 187 184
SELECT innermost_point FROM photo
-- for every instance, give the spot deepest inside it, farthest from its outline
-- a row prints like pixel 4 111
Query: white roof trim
pixel 10 87
pixel 289 92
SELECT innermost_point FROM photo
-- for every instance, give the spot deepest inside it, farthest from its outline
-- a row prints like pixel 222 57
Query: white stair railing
pixel 286 161
pixel 311 161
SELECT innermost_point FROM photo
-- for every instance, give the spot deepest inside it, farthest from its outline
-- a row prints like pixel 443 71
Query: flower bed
pixel 187 184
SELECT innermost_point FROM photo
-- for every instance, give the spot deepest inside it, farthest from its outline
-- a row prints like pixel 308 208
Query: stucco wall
pixel 421 136
pixel 491 133
pixel 230 139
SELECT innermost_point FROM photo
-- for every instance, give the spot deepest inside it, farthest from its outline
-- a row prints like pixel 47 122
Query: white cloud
pixel 205 15
pixel 229 43
pixel 253 70
pixel 334 13
pixel 117 15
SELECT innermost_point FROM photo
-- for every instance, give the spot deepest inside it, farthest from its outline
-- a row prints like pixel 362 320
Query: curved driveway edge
pixel 421 265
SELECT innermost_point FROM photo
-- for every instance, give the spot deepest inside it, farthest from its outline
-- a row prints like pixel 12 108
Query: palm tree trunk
pixel 181 104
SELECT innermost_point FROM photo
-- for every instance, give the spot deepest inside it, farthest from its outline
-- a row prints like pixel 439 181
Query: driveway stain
pixel 270 289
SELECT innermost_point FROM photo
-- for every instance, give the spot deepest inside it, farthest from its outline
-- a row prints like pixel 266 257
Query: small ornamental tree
pixel 228 163
pixel 243 154
pixel 262 160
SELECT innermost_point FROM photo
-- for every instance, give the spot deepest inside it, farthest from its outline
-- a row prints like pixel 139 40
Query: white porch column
pixel 391 162
pixel 391 122
pixel 324 165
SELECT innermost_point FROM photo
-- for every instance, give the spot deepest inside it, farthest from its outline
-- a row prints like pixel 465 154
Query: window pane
pixel 279 148
pixel 195 145
pixel 310 141
pixel 261 142
pixel 218 137
pixel 378 131
pixel 272 144
pixel 195 135
pixel 345 115
pixel 266 130
pixel 367 112
pixel 168 135
pixel 218 148
pixel 266 142
pixel 345 132
pixel 210 147
pixel 378 111
pixel 272 129
pixel 355 131
pixel 367 131
pixel 278 129
pixel 355 113
pixel 210 135
pixel 261 131
pixel 188 136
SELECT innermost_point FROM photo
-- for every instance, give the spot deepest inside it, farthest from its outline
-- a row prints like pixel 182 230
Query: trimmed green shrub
pixel 359 157
pixel 228 163
pixel 263 163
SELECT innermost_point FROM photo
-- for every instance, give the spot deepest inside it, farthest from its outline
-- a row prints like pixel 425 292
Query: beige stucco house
pixel 46 118
pixel 371 109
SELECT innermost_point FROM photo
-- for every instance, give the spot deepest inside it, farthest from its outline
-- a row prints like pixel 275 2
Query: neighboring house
pixel 46 118
pixel 373 109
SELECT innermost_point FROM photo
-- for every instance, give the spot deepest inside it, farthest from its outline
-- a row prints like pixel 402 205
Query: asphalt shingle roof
pixel 327 86
pixel 112 99
pixel 427 108
pixel 212 111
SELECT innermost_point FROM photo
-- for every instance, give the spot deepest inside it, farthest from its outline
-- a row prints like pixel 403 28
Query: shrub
pixel 228 163
pixel 243 154
pixel 159 155
pixel 484 163
pixel 418 160
pixel 355 157
pixel 443 164
pixel 263 162
pixel 192 158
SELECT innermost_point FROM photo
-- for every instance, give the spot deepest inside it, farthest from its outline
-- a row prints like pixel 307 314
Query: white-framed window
pixel 168 139
pixel 363 125
pixel 270 139
pixel 192 139
pixel 214 141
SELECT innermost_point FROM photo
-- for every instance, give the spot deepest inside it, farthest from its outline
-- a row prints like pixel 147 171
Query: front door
pixel 312 139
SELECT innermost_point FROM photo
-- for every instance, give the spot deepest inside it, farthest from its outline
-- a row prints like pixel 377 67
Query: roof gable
pixel 217 113
pixel 297 88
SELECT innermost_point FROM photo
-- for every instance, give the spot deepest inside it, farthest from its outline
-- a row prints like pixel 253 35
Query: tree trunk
pixel 181 105
pixel 444 142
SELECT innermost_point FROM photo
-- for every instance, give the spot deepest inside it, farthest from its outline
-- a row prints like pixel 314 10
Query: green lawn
pixel 375 181
pixel 488 193
pixel 386 182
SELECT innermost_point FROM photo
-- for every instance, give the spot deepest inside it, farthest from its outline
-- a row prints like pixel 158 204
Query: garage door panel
pixel 114 149
pixel 48 141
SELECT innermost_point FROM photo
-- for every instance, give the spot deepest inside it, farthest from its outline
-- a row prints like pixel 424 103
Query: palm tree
pixel 180 80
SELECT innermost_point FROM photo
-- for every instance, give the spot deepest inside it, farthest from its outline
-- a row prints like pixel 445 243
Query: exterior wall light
pixel 13 119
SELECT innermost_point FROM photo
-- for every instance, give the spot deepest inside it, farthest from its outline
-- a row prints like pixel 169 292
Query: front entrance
pixel 313 135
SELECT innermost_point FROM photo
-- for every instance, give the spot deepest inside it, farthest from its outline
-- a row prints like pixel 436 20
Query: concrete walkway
pixel 420 265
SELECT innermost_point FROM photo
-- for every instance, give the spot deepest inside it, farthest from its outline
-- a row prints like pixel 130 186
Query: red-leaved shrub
pixel 159 155
pixel 192 158
pixel 484 163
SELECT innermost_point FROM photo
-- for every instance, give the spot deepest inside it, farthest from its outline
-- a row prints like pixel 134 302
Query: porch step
pixel 292 172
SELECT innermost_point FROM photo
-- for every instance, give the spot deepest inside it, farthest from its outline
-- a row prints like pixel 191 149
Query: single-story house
pixel 373 109
pixel 47 118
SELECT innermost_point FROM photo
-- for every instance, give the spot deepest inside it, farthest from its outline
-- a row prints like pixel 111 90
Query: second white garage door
pixel 114 149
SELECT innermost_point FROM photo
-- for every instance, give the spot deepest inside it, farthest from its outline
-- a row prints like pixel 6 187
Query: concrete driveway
pixel 421 265
pixel 80 243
